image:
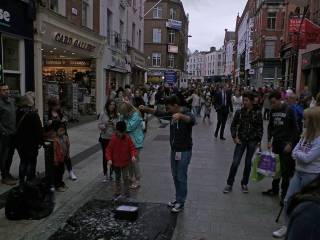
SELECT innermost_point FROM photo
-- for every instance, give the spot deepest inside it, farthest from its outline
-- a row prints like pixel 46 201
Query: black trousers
pixel 28 163
pixel 58 175
pixel 7 148
pixel 104 143
pixel 287 165
pixel 222 117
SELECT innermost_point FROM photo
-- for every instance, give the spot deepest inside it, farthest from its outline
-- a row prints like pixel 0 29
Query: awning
pixel 140 67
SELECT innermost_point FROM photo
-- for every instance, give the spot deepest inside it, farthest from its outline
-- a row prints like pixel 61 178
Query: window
pixel 134 4
pixel 140 41
pixel 121 29
pixel 85 13
pixel 156 59
pixel 54 5
pixel 157 35
pixel 173 13
pixel 133 34
pixel 171 60
pixel 172 36
pixel 157 12
pixel 272 20
pixel 11 63
pixel 109 25
pixel 270 49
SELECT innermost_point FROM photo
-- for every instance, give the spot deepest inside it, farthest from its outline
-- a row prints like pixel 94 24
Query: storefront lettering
pixel 67 62
pixel 74 42
pixel 4 15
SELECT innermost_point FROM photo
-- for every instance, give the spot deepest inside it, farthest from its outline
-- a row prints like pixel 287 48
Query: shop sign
pixel 170 77
pixel 309 32
pixel 173 49
pixel 174 24
pixel 66 63
pixel 67 40
pixel 15 18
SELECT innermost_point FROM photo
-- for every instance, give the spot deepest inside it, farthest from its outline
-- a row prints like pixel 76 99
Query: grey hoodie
pixel 7 116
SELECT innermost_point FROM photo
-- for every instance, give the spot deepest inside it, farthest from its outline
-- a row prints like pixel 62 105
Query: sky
pixel 208 19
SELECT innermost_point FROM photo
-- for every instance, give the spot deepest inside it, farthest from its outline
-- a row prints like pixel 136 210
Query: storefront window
pixel 13 81
pixel 10 54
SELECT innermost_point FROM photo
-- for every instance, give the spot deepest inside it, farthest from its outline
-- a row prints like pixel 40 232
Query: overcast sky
pixel 208 19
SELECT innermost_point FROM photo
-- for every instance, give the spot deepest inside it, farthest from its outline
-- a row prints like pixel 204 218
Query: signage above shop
pixel 67 40
pixel 170 77
pixel 66 63
pixel 174 24
pixel 173 49
pixel 15 18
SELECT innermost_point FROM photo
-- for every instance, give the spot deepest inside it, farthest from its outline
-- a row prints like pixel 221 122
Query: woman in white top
pixel 237 101
pixel 195 103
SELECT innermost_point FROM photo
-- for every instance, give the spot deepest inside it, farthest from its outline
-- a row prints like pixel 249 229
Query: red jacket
pixel 120 150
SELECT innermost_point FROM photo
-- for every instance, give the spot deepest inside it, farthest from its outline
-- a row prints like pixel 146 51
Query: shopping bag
pixel 255 175
pixel 268 164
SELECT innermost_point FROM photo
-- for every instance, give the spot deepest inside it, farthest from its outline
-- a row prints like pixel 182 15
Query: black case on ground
pixel 125 212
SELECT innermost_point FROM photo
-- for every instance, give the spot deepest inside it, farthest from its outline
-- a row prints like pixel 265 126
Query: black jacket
pixel 283 127
pixel 29 129
pixel 180 132
pixel 218 103
pixel 247 125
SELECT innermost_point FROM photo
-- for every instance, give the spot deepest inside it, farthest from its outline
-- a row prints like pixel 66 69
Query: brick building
pixel 268 32
pixel 165 39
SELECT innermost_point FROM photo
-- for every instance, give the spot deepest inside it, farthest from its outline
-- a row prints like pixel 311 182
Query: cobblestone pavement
pixel 208 213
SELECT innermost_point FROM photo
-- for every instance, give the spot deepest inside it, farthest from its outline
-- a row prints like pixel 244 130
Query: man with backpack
pixel 283 133
pixel 247 132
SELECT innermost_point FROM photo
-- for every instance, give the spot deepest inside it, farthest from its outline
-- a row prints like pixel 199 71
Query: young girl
pixel 55 115
pixel 307 157
pixel 61 153
pixel 120 153
pixel 107 125
pixel 133 120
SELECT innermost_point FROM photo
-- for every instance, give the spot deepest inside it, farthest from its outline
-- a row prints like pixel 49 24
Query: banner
pixel 309 32
pixel 170 77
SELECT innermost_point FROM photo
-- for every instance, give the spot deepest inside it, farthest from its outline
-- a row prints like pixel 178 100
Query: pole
pixel 152 8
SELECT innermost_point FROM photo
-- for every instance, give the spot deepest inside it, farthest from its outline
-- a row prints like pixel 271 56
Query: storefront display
pixel 73 82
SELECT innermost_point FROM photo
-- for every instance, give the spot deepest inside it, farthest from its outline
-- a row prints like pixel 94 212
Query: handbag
pixel 269 164
pixel 255 175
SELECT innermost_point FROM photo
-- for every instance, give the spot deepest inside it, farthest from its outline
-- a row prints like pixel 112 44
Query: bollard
pixel 49 163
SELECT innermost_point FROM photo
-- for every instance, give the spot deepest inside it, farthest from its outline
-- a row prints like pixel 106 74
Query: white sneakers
pixel 280 233
pixel 72 176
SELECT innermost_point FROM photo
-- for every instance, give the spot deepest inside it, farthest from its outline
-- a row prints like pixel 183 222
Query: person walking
pixel 266 106
pixel 247 132
pixel 55 115
pixel 7 134
pixel 223 105
pixel 182 122
pixel 283 132
pixel 29 138
pixel 237 101
pixel 120 153
pixel 134 122
pixel 195 103
pixel 307 157
pixel 107 125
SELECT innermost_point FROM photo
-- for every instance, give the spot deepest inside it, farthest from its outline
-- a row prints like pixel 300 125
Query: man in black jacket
pixel 181 124
pixel 223 105
pixel 283 133
pixel 247 132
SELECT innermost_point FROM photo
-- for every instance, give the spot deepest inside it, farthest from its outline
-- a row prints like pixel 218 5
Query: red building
pixel 268 36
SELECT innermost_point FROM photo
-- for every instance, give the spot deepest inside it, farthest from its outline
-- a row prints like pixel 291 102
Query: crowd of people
pixel 293 133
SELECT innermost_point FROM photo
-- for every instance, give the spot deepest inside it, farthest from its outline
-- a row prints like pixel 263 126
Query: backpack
pixel 33 200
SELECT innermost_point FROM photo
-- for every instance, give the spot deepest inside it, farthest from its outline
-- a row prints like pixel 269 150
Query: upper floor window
pixel 272 16
pixel 270 49
pixel 157 12
pixel 157 35
pixel 85 13
pixel 172 36
pixel 54 5
pixel 156 59
pixel 171 60
pixel 173 13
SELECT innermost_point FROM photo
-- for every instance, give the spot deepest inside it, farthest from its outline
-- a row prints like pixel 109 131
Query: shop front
pixel 311 71
pixel 70 67
pixel 138 63
pixel 16 45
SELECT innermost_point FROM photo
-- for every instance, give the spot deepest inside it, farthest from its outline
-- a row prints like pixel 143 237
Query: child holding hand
pixel 120 153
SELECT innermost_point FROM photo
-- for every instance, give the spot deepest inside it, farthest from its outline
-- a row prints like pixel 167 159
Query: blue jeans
pixel 237 156
pixel 179 170
pixel 299 180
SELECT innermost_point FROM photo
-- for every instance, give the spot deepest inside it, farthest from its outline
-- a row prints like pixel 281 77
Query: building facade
pixel 228 49
pixel 267 37
pixel 196 66
pixel 165 40
pixel 16 45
